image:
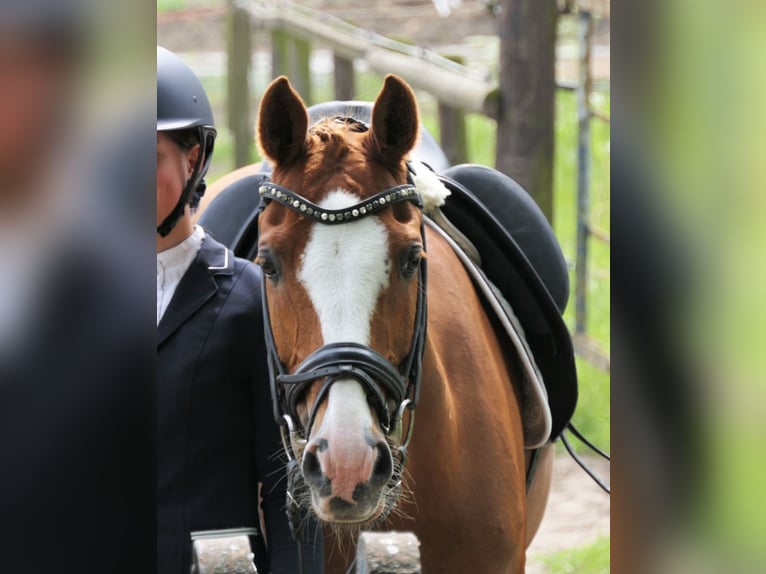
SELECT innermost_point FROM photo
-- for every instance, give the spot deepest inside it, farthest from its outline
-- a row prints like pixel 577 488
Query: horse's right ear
pixel 282 123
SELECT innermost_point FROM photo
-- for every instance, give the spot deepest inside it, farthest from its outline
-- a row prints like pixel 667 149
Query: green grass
pixel 170 5
pixel 589 559
pixel 592 416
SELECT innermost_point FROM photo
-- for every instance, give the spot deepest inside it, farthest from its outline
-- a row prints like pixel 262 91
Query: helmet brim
pixel 180 124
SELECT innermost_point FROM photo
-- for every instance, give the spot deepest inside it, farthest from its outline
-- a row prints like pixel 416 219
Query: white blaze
pixel 344 269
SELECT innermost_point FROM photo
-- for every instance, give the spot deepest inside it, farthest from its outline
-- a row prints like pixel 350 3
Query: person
pixel 217 439
pixel 77 345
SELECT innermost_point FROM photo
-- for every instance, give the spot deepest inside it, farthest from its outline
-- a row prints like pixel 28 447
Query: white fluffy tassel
pixel 432 190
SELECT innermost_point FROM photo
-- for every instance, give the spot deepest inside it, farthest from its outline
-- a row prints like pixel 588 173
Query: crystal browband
pixel 370 206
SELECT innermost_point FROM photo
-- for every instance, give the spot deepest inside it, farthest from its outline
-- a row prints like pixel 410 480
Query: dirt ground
pixel 577 513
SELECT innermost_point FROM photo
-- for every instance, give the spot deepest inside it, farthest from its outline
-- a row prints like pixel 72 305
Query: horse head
pixel 341 246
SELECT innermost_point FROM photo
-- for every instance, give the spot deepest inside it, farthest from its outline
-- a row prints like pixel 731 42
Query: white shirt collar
pixel 172 265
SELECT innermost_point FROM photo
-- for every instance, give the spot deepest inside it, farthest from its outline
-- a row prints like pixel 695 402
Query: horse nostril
pixel 384 465
pixel 312 470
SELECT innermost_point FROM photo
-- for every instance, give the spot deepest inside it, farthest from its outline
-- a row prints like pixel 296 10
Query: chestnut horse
pixel 346 298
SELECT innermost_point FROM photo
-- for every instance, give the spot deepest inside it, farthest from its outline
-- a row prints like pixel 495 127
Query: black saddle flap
pixel 522 257
pixel 232 217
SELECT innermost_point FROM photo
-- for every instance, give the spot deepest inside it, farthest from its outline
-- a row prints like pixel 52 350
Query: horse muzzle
pixel 347 469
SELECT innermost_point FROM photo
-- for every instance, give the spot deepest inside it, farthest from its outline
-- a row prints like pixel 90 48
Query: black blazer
pixel 217 438
pixel 77 476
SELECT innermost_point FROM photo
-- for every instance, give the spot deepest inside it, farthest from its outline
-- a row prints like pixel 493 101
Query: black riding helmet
pixel 183 105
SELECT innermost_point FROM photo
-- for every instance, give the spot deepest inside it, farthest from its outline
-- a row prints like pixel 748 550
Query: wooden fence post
pixel 388 553
pixel 343 77
pixel 280 53
pixel 239 50
pixel 525 136
pixel 452 129
pixel 290 56
pixel 452 134
pixel 300 73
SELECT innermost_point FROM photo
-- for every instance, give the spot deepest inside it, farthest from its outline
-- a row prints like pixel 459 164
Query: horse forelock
pixel 327 147
pixel 338 155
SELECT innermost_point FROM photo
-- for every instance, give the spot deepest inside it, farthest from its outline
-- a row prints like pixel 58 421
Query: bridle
pixel 390 389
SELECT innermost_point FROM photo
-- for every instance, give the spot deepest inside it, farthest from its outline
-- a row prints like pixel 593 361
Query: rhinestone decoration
pixel 368 207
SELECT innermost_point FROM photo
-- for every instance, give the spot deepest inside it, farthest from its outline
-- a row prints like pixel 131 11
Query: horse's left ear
pixel 395 123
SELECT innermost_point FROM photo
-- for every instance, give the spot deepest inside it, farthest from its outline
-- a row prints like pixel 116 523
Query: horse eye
pixel 267 264
pixel 412 261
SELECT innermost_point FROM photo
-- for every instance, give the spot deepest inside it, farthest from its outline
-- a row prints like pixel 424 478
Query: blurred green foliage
pixel 589 559
pixel 169 5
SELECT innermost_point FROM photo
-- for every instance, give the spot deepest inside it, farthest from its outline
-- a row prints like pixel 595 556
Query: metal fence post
pixel 583 170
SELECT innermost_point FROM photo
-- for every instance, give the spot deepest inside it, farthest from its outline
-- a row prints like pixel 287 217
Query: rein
pixel 390 388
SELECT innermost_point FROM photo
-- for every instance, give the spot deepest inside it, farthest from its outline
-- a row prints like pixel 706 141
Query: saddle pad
pixel 535 411
pixel 529 273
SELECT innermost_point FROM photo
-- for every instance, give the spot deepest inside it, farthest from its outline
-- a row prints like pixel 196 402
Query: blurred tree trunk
pixel 527 92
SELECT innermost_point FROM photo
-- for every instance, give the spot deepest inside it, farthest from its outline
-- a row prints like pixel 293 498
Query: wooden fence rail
pixel 422 69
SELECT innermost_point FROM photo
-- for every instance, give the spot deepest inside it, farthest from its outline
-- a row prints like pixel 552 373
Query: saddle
pixel 504 241
pixel 522 262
